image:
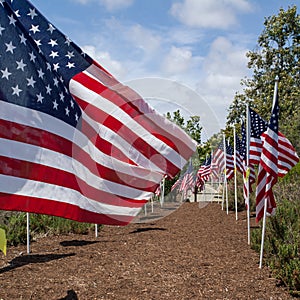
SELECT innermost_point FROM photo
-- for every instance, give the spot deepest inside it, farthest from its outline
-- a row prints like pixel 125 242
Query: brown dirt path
pixel 191 254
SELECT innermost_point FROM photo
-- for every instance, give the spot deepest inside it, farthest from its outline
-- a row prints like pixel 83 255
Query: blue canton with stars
pixel 65 56
pixel 229 149
pixel 239 145
pixel 208 161
pixel 28 75
pixel 273 123
pixel 243 149
pixel 257 124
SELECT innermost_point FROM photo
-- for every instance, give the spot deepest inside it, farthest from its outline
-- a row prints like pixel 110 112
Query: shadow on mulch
pixel 71 295
pixel 138 230
pixel 32 259
pixel 77 243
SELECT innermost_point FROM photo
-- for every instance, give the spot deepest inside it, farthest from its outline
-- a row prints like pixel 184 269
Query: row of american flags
pixel 76 143
pixel 261 156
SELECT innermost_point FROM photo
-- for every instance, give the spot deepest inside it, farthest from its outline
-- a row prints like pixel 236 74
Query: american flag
pixel 176 184
pixel 229 161
pixel 188 180
pixel 219 157
pixel 203 173
pixel 249 171
pixel 75 142
pixel 205 169
pixel 218 160
pixel 287 156
pixel 239 154
pixel 278 156
pixel 268 166
pixel 257 127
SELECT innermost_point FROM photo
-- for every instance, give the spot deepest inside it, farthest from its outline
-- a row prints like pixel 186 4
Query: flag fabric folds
pixel 249 171
pixel 223 160
pixel 257 127
pixel 204 173
pixel 287 156
pixel 239 154
pixel 75 142
pixel 218 160
pixel 188 180
pixel 229 161
pixel 268 166
pixel 278 156
pixel 177 183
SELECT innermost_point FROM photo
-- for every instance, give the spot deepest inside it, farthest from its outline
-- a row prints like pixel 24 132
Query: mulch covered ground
pixel 193 253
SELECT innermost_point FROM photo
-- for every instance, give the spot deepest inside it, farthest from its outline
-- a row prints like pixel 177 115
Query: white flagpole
pixel 223 192
pixel 247 177
pixel 152 205
pixel 235 173
pixel 263 234
pixel 227 212
pixel 28 232
pixel 162 191
pixel 225 173
pixel 266 202
pixel 96 230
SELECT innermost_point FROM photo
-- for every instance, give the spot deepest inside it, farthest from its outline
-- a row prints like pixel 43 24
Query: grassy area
pixel 40 225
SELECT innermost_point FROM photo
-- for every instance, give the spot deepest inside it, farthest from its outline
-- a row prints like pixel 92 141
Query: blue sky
pixel 176 53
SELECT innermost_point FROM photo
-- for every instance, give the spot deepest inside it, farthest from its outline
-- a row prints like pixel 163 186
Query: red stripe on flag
pixel 69 211
pixel 144 118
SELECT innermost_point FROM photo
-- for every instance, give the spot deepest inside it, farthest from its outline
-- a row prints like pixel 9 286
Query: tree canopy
pixel 277 54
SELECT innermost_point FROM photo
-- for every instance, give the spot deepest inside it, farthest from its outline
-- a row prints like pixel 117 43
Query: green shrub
pixel 283 244
pixel 282 236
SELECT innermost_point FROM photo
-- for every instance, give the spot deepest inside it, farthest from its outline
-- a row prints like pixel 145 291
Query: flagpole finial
pixel 276 78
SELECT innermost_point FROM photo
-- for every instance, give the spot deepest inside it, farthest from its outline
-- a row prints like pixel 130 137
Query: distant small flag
pixel 219 160
pixel 3 241
pixel 177 183
pixel 188 180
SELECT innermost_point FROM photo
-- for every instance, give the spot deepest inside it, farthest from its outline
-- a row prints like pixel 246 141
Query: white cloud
pixel 178 60
pixel 103 58
pixel 110 5
pixel 224 67
pixel 220 14
pixel 184 36
pixel 226 58
pixel 143 38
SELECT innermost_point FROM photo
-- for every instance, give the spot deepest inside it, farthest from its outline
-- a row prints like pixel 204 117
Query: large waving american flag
pixel 268 166
pixel 287 156
pixel 278 156
pixel 249 171
pixel 75 142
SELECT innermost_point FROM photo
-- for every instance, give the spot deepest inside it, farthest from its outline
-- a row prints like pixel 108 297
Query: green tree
pixel 177 118
pixel 277 54
pixel 192 127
